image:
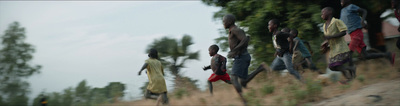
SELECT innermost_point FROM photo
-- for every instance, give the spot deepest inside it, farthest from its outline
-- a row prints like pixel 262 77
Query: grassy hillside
pixel 270 88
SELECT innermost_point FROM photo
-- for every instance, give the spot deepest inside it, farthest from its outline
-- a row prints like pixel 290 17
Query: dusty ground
pixel 384 93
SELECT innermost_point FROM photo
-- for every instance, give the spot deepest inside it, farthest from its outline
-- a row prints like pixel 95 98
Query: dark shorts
pixel 241 65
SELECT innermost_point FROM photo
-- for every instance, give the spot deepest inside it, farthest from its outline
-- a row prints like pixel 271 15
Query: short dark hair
pixel 330 9
pixel 230 17
pixel 294 31
pixel 214 47
pixel 275 21
pixel 286 29
pixel 153 53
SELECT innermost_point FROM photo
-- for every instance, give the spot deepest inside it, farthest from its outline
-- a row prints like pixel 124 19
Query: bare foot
pixel 265 66
pixel 345 82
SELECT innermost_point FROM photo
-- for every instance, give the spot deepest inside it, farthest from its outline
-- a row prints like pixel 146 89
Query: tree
pixel 82 93
pixel 54 99
pixel 68 97
pixel 15 57
pixel 98 96
pixel 174 54
pixel 38 98
pixel 115 91
pixel 304 15
pixel 253 17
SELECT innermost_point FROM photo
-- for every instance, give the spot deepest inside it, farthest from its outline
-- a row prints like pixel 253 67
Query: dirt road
pixel 383 93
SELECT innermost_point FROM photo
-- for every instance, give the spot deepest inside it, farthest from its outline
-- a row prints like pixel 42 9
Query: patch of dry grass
pixel 286 89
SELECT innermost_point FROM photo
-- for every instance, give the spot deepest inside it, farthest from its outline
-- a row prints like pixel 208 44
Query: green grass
pixel 179 93
pixel 267 89
pixel 361 78
pixel 251 98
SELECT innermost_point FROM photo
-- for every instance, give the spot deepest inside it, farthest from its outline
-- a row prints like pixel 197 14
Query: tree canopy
pixel 303 15
pixel 15 57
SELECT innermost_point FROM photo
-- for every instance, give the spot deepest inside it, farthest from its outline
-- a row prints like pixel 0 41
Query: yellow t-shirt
pixel 337 45
pixel 155 73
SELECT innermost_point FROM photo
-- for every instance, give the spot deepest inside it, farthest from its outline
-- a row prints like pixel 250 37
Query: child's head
pixel 395 4
pixel 228 20
pixel 273 25
pixel 213 50
pixel 345 3
pixel 153 53
pixel 294 32
pixel 326 13
pixel 286 29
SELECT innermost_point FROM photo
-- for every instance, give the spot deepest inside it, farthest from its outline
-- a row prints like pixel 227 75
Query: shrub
pixel 361 78
pixel 267 89
pixel 179 93
pixel 314 89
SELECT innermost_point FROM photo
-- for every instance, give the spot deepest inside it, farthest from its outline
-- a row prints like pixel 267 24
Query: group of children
pixel 291 52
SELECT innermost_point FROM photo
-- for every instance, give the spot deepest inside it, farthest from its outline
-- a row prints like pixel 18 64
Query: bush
pixel 361 78
pixel 251 98
pixel 300 94
pixel 267 89
pixel 343 87
pixel 292 102
pixel 179 93
pixel 314 89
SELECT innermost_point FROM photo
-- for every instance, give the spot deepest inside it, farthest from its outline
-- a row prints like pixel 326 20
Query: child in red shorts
pixel 349 15
pixel 218 65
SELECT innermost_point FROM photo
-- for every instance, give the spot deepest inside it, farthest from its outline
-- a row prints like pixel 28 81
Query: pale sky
pixel 104 41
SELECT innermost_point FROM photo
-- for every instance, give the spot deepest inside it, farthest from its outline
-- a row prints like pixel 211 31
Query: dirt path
pixel 383 93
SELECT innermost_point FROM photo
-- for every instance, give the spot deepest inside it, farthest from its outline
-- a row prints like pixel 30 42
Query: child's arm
pixel 291 44
pixel 364 15
pixel 206 67
pixel 143 67
pixel 309 47
pixel 162 70
pixel 295 44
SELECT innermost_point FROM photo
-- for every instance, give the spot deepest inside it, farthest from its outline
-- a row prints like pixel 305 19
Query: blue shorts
pixel 241 65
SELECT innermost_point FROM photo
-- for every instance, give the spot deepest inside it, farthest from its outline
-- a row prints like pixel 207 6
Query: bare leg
pixel 165 98
pixel 367 55
pixel 149 95
pixel 228 81
pixel 158 100
pixel 210 87
pixel 351 58
pixel 238 87
pixel 253 74
pixel 352 67
pixel 344 71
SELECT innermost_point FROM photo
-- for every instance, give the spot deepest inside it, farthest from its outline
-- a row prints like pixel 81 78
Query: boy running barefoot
pixel 218 66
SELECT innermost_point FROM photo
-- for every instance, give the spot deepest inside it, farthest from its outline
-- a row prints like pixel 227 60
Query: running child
pixel 218 66
pixel 305 53
pixel 349 15
pixel 283 46
pixel 339 53
pixel 157 88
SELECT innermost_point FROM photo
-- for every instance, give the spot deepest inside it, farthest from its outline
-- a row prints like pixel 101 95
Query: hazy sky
pixel 105 41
